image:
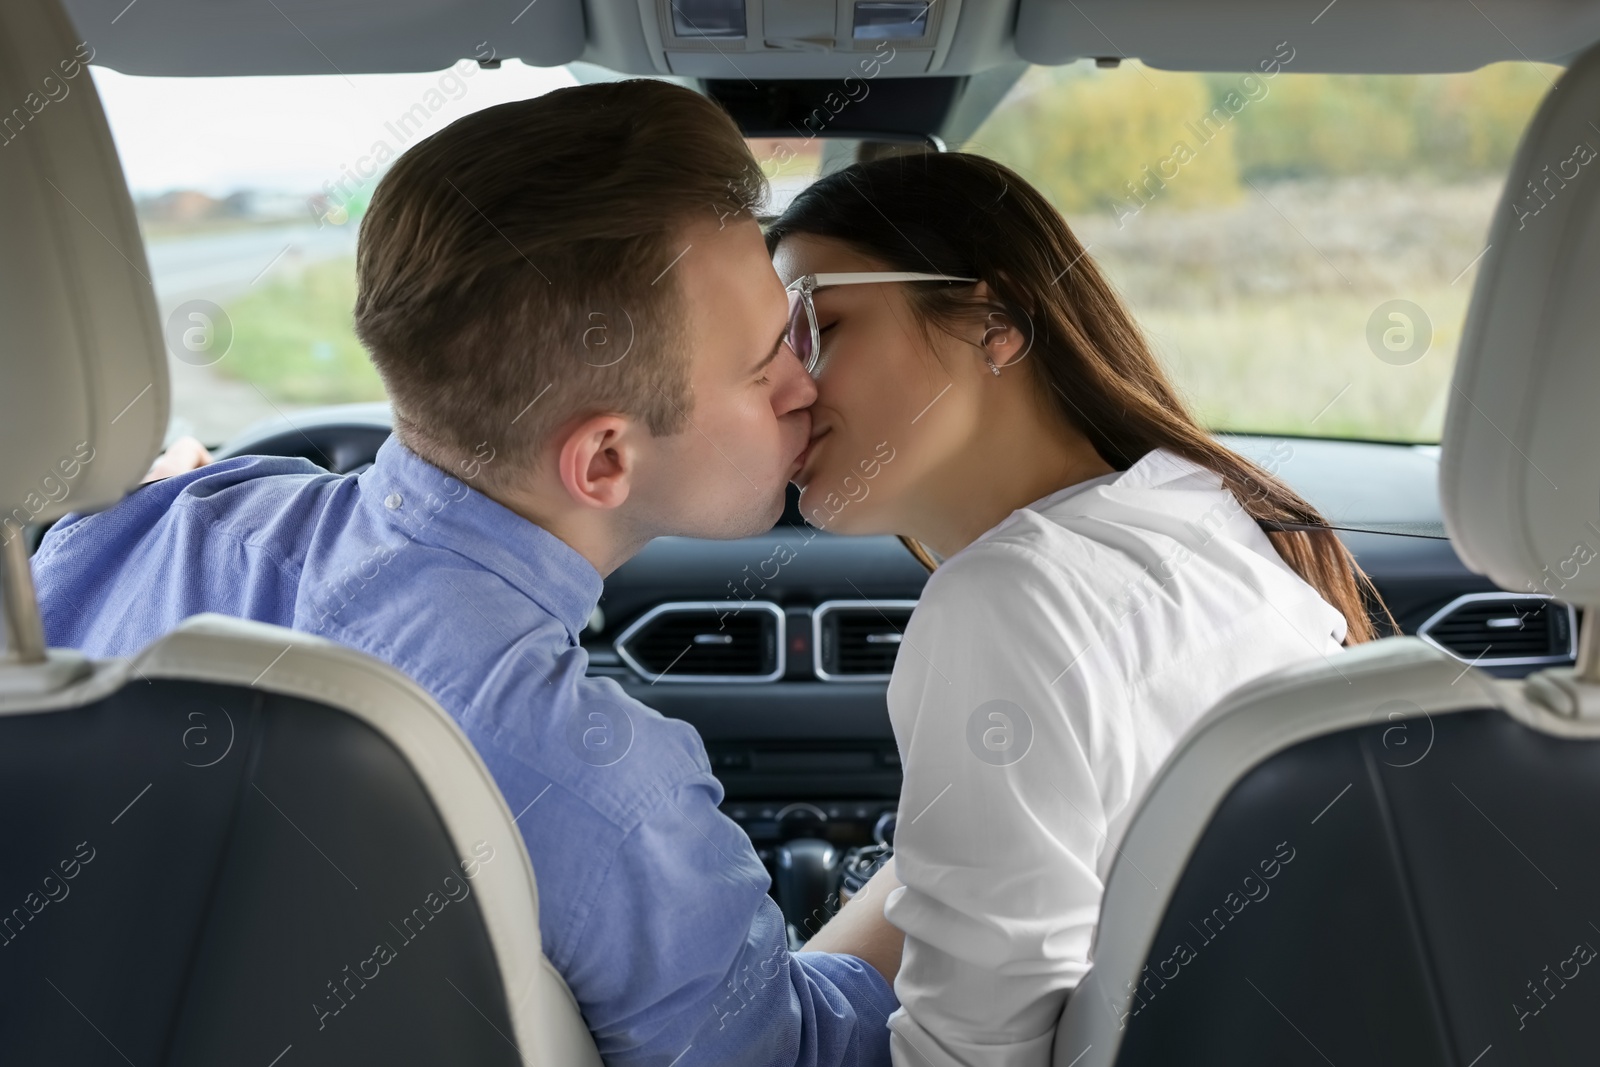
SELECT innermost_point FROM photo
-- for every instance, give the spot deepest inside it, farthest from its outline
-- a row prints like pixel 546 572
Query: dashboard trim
pixel 826 608
pixel 619 644
pixel 1426 626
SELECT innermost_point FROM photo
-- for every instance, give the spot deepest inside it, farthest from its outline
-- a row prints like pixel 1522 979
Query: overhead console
pixel 803 38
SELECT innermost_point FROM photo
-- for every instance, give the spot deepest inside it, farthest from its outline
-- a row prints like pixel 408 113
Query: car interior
pixel 1426 791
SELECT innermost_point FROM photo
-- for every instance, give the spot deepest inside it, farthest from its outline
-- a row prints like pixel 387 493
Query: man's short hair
pixel 514 268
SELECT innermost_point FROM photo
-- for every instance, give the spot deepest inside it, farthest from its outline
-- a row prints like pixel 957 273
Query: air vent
pixel 856 640
pixel 706 641
pixel 1506 629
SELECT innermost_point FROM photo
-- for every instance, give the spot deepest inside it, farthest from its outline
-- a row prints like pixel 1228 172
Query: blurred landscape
pixel 1277 342
pixel 282 269
pixel 1306 203
pixel 1253 260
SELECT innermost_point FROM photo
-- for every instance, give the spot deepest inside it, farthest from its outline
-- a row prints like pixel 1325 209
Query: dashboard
pixel 778 648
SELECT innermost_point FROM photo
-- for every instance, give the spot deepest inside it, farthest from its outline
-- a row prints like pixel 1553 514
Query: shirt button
pixel 393 501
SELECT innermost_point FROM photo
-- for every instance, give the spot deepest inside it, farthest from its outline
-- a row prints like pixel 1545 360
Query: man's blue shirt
pixel 653 904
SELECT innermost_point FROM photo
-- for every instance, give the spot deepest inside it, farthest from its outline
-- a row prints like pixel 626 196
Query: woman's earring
pixel 992 328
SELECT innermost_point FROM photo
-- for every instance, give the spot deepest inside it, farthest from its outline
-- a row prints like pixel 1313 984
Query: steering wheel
pixel 342 439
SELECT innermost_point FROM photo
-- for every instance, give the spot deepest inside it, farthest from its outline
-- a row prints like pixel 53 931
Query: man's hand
pixel 186 454
pixel 860 930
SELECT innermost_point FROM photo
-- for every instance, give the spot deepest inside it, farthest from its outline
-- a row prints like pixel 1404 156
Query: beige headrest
pixel 1520 474
pixel 83 374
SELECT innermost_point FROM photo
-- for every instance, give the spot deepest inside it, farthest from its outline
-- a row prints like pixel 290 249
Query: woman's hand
pixel 186 454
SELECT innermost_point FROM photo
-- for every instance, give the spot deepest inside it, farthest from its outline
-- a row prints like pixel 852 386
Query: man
pixel 579 329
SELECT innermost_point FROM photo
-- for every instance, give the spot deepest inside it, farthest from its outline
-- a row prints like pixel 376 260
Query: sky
pixel 290 134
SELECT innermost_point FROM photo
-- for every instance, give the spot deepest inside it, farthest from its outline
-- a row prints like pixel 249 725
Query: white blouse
pixel 1048 670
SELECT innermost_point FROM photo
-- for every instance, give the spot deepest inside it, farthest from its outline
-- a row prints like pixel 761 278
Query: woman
pixel 1109 571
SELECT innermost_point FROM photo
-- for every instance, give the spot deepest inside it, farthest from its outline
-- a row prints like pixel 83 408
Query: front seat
pixel 245 845
pixel 1388 857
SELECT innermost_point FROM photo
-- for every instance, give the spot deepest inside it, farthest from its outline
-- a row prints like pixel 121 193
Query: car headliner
pixel 226 37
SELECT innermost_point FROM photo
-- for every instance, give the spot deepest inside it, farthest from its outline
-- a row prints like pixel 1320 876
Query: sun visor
pixel 1349 36
pixel 228 37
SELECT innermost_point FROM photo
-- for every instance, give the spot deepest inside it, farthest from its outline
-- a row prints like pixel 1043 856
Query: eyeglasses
pixel 802 334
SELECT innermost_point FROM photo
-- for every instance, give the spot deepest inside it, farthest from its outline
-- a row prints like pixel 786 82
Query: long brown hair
pixel 955 213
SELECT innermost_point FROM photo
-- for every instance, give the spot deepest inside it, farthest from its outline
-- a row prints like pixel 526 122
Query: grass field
pixel 1260 309
pixel 1300 365
pixel 294 337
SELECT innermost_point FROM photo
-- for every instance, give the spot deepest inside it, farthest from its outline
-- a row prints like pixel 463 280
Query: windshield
pixel 1299 248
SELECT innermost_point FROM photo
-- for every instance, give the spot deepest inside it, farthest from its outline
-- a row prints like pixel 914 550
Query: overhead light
pixel 879 20
pixel 799 21
pixel 709 19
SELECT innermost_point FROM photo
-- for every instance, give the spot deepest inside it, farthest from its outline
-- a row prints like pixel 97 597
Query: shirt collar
pixel 1155 467
pixel 427 505
pixel 1049 500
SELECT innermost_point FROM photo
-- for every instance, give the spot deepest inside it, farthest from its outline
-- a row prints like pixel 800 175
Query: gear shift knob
pixel 806 881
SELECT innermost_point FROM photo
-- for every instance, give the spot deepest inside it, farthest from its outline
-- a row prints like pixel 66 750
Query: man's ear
pixel 597 460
